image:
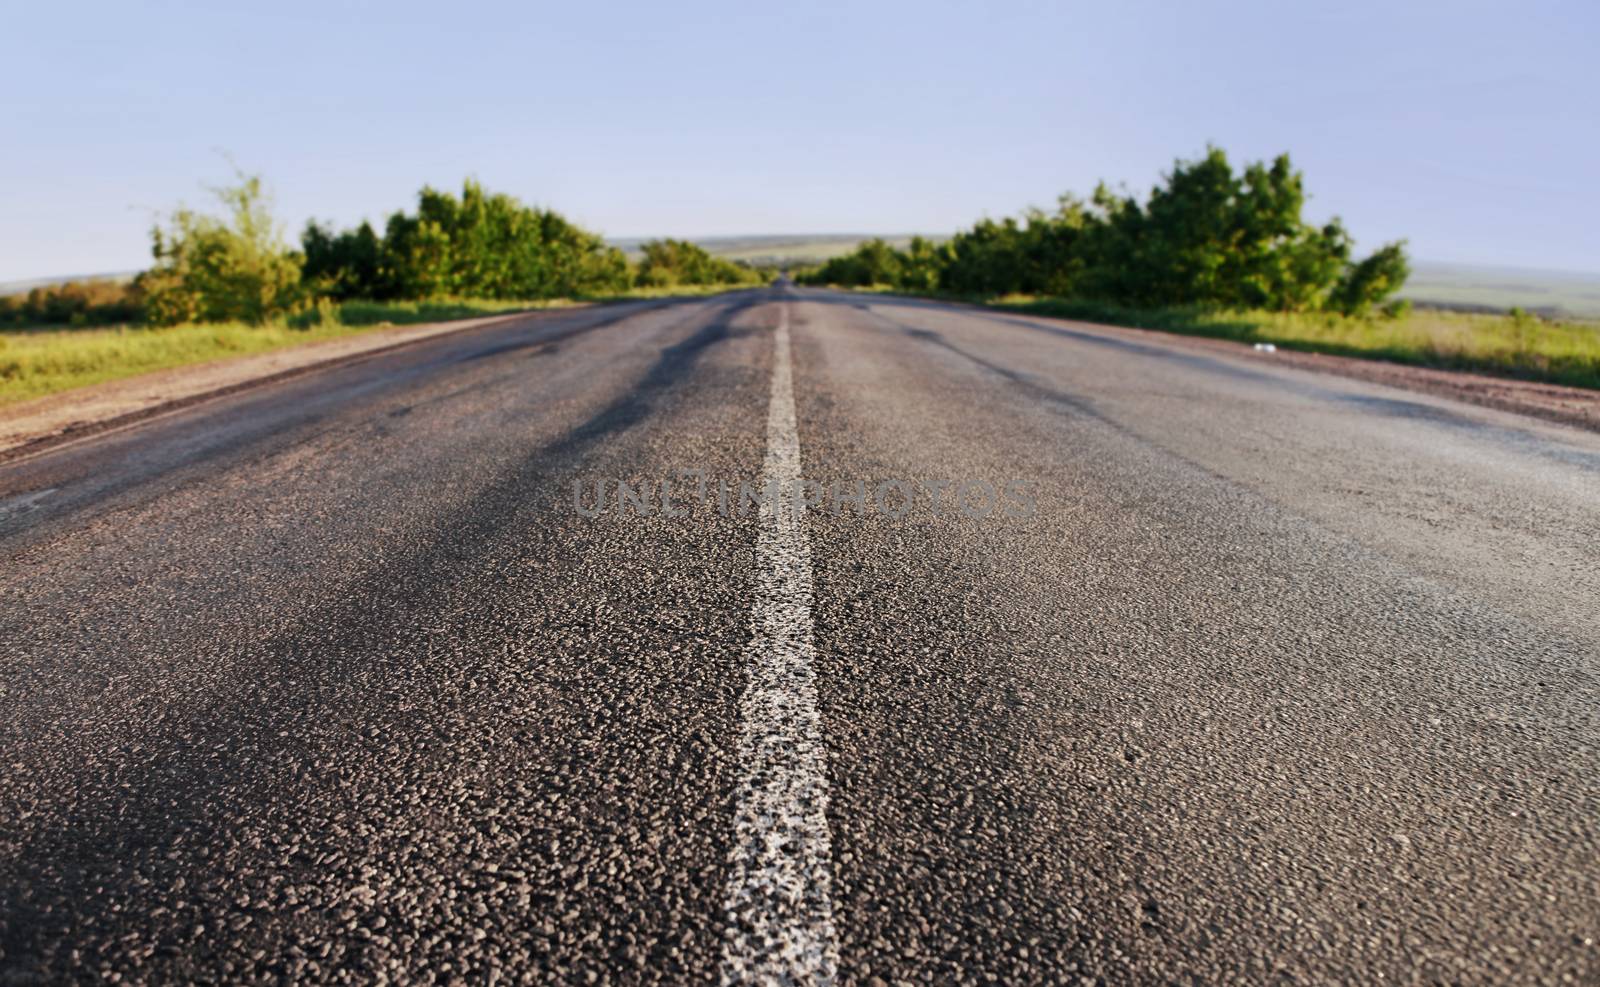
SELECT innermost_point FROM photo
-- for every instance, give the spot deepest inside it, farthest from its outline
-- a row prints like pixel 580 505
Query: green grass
pixel 37 362
pixel 1562 352
pixel 1555 351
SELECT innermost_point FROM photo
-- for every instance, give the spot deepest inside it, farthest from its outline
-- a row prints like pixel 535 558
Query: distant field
pixel 1500 288
pixel 781 249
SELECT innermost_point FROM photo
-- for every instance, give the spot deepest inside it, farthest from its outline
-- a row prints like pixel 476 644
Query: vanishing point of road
pixel 1077 656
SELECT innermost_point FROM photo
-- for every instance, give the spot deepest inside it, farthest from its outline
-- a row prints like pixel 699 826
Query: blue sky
pixel 1470 128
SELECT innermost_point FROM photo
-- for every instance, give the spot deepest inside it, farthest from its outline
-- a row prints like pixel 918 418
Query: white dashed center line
pixel 779 905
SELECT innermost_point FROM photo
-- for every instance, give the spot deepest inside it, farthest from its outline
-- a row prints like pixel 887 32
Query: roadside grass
pixel 1559 351
pixel 37 362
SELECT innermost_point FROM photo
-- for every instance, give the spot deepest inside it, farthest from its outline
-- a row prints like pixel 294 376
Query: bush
pixel 220 270
pixel 1368 283
pixel 481 245
pixel 1206 236
pixel 1398 308
pixel 669 263
pixel 315 314
pixel 344 264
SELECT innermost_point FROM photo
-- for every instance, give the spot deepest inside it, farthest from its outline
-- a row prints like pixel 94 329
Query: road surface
pixel 1078 656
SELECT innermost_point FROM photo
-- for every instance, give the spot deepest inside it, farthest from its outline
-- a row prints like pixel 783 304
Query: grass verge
pixel 37 362
pixel 1517 345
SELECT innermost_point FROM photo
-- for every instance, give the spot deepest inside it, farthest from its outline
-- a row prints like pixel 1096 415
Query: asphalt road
pixel 1201 670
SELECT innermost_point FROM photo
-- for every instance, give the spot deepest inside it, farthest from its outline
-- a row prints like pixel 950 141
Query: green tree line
pixel 92 302
pixel 477 245
pixel 239 267
pixel 669 263
pixel 1206 236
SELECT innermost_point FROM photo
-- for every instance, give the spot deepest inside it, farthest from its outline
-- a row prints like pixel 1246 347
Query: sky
pixel 1471 129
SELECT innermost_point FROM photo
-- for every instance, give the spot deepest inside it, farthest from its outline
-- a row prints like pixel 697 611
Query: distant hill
pixel 781 248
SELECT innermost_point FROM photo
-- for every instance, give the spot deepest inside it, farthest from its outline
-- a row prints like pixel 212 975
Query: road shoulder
pixel 29 426
pixel 1574 406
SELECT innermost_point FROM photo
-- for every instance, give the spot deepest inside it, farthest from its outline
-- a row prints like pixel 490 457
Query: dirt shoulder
pixel 1552 402
pixel 28 426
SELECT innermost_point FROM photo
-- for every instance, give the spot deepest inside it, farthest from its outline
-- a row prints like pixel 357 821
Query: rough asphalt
pixel 1250 676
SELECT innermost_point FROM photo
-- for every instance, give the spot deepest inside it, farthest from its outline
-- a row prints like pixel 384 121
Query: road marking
pixel 779 904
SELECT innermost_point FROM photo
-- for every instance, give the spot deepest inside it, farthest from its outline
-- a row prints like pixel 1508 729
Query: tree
pixel 482 244
pixel 1374 279
pixel 920 265
pixel 874 262
pixel 218 270
pixel 342 264
pixel 668 262
pixel 1205 236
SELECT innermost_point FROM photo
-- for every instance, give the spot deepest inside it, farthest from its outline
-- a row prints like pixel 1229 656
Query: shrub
pixel 1368 283
pixel 668 263
pixel 480 245
pixel 220 270
pixel 315 314
pixel 1206 236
